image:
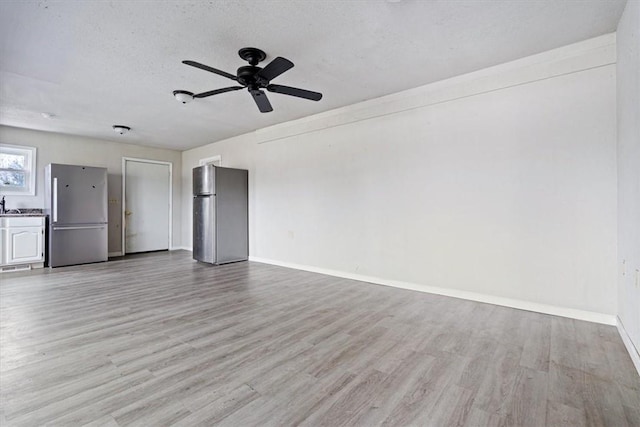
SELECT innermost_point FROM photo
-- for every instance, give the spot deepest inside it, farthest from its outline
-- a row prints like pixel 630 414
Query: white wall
pixel 501 183
pixel 68 149
pixel 628 82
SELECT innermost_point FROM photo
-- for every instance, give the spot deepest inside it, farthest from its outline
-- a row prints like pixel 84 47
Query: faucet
pixel 2 206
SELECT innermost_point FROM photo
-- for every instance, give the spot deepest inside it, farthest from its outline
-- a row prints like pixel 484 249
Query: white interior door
pixel 147 205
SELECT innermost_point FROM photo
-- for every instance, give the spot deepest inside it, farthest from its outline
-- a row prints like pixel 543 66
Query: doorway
pixel 146 207
pixel 215 161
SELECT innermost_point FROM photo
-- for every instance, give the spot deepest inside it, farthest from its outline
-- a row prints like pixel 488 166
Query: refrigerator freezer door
pixel 204 180
pixel 204 211
pixel 80 244
pixel 78 194
pixel 232 205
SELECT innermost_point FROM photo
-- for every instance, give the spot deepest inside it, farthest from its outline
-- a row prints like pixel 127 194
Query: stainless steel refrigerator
pixel 220 214
pixel 76 202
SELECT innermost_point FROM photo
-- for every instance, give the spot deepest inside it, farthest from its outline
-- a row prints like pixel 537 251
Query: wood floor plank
pixel 478 417
pixel 106 421
pixel 537 345
pixel 421 398
pixel 219 409
pixel 50 411
pixel 451 409
pixel 323 393
pixel 498 387
pixel 632 414
pixel 528 407
pixel 563 415
pixel 157 339
pixel 602 402
pixel 356 400
pixel 265 409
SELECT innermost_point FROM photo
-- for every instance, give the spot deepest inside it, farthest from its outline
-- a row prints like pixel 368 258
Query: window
pixel 17 170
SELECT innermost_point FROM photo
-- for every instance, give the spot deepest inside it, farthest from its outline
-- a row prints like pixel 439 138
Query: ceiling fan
pixel 253 78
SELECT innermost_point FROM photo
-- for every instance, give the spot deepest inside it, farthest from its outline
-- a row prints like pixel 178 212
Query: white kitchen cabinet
pixel 24 245
pixel 22 242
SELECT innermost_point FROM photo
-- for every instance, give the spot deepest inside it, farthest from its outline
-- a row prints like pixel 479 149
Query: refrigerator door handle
pixel 78 227
pixel 55 199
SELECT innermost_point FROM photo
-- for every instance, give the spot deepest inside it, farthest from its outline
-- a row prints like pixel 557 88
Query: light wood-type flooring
pixel 158 340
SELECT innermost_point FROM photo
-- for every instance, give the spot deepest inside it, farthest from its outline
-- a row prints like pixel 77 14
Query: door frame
pixel 210 160
pixel 124 190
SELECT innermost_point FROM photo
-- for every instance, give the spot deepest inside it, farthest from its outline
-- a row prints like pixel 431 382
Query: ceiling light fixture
pixel 47 115
pixel 183 96
pixel 121 129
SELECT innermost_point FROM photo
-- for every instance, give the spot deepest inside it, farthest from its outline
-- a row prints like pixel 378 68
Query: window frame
pixel 30 169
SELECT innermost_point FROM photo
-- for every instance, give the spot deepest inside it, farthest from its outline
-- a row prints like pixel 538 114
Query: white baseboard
pixel 173 248
pixel 590 316
pixel 633 351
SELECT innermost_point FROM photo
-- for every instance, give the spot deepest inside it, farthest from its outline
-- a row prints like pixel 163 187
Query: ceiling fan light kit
pixel 183 96
pixel 253 78
pixel 121 129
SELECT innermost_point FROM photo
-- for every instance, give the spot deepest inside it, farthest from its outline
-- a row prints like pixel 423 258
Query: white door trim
pixel 212 159
pixel 124 186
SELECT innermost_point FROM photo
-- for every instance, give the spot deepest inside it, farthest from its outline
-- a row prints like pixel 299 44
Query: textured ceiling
pixel 93 64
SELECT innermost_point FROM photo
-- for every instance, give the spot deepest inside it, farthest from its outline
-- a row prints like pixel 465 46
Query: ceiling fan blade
pixel 275 68
pixel 294 91
pixel 261 100
pixel 217 91
pixel 210 69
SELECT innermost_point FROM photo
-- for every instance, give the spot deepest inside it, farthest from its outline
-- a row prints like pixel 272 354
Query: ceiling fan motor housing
pixel 247 76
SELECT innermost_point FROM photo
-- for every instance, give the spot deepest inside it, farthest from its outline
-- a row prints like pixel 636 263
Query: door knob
pixel 127 213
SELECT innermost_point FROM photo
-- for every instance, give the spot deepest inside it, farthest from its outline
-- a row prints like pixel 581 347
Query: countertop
pixel 13 213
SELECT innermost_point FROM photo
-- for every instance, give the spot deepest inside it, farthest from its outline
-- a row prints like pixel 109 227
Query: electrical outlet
pixel 624 267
